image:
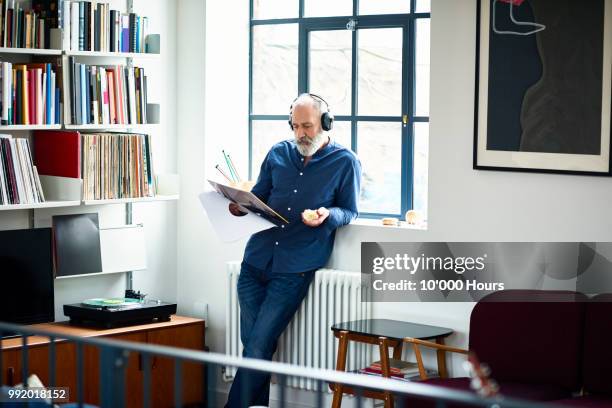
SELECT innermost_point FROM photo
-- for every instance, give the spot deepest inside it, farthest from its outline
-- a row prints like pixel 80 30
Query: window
pixel 370 60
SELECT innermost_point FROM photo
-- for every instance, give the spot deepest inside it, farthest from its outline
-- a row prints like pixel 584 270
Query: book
pixel 123 100
pixel 397 366
pixel 398 369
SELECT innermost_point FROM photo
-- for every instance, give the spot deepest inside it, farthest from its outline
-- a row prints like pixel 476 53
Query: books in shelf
pixel 398 369
pixel 19 181
pixel 28 27
pixel 93 26
pixel 107 95
pixel 29 94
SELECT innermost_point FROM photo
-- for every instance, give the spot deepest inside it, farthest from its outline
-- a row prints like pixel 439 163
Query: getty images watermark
pixel 467 271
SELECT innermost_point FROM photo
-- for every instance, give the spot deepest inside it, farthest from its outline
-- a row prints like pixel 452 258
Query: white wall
pixel 465 205
pixel 201 137
pixel 159 280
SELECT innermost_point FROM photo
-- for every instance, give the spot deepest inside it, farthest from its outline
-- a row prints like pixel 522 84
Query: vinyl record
pixel 111 302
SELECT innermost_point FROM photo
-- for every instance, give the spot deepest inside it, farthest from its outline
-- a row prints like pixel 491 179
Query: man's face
pixel 307 130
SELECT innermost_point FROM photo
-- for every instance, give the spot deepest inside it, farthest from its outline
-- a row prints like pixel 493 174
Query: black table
pixel 386 333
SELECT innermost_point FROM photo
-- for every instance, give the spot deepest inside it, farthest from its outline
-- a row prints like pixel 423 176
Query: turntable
pixel 116 312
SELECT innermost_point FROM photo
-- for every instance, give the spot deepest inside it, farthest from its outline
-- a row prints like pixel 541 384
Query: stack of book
pixel 107 94
pixel 117 166
pixel 29 94
pixel 398 369
pixel 93 26
pixel 28 28
pixel 19 181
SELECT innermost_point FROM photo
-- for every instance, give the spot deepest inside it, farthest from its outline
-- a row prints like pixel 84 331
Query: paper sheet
pixel 229 227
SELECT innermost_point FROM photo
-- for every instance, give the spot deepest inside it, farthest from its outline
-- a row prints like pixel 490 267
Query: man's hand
pixel 236 210
pixel 323 214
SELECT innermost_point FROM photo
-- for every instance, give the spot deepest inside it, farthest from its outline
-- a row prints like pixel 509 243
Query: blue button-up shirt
pixel 331 179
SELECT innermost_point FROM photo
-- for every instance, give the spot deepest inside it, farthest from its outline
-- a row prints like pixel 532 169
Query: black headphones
pixel 327 119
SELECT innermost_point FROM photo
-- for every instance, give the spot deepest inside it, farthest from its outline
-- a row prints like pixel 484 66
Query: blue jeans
pixel 268 301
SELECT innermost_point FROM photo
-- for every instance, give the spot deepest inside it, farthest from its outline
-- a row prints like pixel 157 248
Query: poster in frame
pixel 543 86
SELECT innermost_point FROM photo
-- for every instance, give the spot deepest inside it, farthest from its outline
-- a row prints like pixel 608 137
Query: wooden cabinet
pixel 162 374
pixel 180 332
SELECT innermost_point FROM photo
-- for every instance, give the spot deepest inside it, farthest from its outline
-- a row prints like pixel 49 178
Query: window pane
pixel 379 146
pixel 379 62
pixel 326 8
pixel 421 160
pixel 266 9
pixel 275 72
pixel 266 133
pixel 423 6
pixel 341 133
pixel 330 68
pixel 384 6
pixel 422 67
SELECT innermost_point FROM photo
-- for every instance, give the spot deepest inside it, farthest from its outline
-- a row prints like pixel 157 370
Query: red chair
pixel 532 340
pixel 596 356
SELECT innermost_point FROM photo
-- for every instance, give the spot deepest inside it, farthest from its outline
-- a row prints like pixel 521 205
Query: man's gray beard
pixel 310 149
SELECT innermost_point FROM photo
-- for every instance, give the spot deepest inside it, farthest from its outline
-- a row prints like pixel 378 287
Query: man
pixel 311 172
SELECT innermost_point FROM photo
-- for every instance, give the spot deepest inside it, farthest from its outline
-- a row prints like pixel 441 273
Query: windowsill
pixel 377 223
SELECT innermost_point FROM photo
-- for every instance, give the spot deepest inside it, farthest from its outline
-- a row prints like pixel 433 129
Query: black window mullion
pixel 355 81
pixel 250 124
pixel 354 84
pixel 408 91
pixel 302 59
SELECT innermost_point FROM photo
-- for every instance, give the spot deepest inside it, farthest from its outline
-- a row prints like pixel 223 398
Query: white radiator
pixel 334 297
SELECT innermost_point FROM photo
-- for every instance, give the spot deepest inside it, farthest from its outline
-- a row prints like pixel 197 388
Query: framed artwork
pixel 543 86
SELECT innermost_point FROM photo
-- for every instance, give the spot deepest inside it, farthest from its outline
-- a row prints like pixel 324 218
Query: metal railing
pixel 113 355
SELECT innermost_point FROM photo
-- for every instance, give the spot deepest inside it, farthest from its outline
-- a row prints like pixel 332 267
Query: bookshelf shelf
pixel 29 51
pixel 48 204
pixel 30 127
pixel 132 200
pixel 105 127
pixel 142 55
pixel 42 51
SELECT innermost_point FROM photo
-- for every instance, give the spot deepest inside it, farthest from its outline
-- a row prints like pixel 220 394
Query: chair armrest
pixel 440 348
pixel 435 345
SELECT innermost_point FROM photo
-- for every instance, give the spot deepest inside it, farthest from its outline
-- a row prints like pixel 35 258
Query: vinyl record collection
pixel 19 181
pixel 117 166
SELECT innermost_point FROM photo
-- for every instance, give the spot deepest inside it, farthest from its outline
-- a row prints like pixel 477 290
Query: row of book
pixel 107 95
pixel 93 26
pixel 33 27
pixel 112 165
pixel 29 94
pixel 398 369
pixel 19 181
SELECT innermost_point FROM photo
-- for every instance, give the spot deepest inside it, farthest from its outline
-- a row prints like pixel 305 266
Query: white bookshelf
pixel 132 200
pixel 77 203
pixel 30 127
pixel 47 204
pixel 29 51
pixel 135 55
pixel 67 192
pixel 110 127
